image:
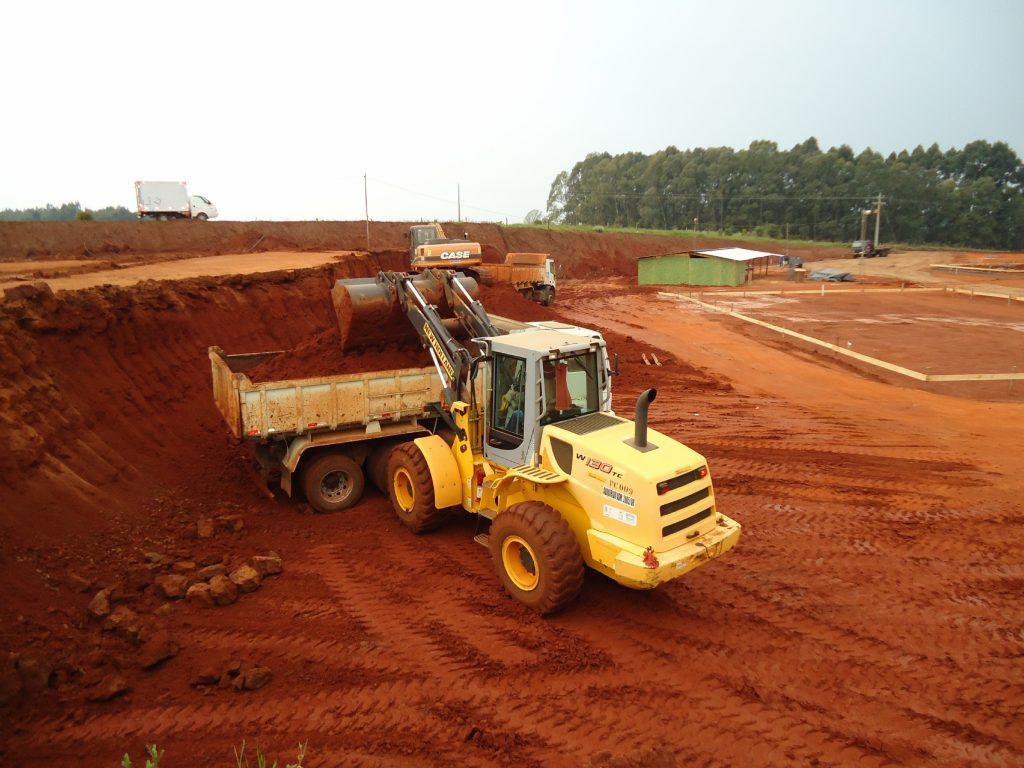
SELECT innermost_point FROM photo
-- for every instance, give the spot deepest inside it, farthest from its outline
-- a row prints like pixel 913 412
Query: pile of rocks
pixel 236 674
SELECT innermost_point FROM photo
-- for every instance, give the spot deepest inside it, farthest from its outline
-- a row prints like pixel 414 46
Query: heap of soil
pixel 322 355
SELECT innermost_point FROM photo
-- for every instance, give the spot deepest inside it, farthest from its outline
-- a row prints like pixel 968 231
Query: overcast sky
pixel 276 110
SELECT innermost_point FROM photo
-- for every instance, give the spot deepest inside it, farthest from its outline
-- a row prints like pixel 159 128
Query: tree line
pixel 969 197
pixel 67 212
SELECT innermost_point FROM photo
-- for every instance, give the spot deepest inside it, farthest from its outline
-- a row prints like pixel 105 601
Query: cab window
pixel 581 374
pixel 508 396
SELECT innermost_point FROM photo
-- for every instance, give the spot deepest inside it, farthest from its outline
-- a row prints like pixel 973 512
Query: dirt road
pixel 173 269
pixel 870 614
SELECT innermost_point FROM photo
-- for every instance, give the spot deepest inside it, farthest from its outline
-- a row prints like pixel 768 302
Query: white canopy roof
pixel 736 254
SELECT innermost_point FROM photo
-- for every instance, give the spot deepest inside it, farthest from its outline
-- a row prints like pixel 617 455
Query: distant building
pixel 717 266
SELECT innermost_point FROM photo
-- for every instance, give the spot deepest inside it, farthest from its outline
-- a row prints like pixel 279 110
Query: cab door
pixel 511 411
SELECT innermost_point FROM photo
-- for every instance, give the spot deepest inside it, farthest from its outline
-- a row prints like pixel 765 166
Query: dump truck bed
pixel 258 411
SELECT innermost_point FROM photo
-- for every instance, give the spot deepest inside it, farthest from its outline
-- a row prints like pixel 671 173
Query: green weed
pixel 152 761
pixel 242 760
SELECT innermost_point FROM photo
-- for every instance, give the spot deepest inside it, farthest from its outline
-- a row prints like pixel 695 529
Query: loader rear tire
pixel 537 556
pixel 332 482
pixel 411 489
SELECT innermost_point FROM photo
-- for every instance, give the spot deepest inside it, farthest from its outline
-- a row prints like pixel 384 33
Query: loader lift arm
pixel 450 358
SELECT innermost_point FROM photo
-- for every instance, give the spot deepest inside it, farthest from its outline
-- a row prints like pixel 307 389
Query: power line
pixel 445 200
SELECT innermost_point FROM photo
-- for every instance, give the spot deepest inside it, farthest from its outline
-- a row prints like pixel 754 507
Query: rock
pixel 223 590
pixel 78 584
pixel 163 610
pixel 256 678
pixel 267 565
pixel 183 566
pixel 218 569
pixel 206 676
pixel 138 579
pixel 123 621
pixel 158 649
pixel 209 559
pixel 154 557
pixel 34 673
pixel 99 606
pixel 246 578
pixel 200 594
pixel 204 528
pixel 110 686
pixel 231 523
pixel 172 586
pixel 34 291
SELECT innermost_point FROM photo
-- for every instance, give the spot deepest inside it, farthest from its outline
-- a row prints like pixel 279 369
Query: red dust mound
pixel 322 356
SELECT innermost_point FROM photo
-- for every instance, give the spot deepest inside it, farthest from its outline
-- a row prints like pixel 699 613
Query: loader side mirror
pixel 615 371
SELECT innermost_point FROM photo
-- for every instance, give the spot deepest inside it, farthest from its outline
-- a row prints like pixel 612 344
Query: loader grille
pixel 592 422
pixel 686 501
pixel 685 523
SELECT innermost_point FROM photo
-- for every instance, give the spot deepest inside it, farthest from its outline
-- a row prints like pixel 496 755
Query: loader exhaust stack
pixel 639 440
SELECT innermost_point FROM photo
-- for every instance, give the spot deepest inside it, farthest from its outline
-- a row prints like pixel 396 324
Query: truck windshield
pixel 584 389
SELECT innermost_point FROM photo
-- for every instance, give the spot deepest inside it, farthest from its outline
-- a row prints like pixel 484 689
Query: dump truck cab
pixel 430 249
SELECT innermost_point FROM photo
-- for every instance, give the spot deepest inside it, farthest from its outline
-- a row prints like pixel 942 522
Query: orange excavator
pixel 532 274
pixel 429 248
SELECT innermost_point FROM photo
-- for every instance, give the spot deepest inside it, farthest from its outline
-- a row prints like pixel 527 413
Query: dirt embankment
pixel 579 254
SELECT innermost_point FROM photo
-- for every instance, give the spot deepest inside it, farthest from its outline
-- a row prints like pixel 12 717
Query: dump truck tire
pixel 411 489
pixel 332 481
pixel 537 557
pixel 376 466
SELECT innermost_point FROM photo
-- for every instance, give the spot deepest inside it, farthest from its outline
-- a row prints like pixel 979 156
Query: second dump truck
pixel 514 427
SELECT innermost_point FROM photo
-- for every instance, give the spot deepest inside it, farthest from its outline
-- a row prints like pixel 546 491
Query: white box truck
pixel 165 200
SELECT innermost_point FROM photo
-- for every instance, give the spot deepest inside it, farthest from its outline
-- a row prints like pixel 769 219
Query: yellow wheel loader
pixel 527 442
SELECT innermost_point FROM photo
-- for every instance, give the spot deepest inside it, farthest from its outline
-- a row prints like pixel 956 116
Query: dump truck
pixel 866 249
pixel 532 274
pixel 163 200
pixel 514 426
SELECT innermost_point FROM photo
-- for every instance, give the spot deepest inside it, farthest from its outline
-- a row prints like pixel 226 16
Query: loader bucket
pixel 370 312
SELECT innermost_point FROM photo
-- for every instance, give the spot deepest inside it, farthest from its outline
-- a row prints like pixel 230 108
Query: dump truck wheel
pixel 376 466
pixel 332 482
pixel 537 557
pixel 412 490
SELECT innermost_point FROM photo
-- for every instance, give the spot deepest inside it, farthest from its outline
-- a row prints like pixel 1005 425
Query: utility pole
pixel 458 198
pixel 366 208
pixel 878 219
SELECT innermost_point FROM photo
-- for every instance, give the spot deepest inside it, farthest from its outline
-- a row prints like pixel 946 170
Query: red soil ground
pixel 869 615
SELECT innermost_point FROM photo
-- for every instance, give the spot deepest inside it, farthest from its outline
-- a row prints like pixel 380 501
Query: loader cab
pixel 539 378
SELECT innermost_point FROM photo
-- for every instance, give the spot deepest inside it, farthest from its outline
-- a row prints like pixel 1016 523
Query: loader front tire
pixel 411 489
pixel 536 556
pixel 332 481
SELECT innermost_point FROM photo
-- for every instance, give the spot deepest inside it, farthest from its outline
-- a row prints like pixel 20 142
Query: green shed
pixel 719 266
